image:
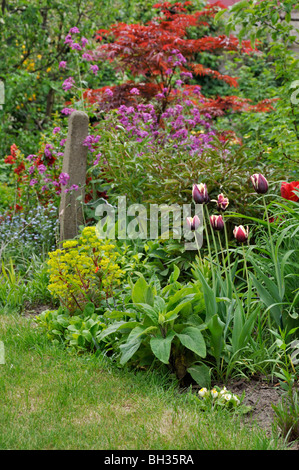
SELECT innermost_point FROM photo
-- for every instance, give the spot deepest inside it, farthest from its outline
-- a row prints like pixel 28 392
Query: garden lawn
pixel 50 399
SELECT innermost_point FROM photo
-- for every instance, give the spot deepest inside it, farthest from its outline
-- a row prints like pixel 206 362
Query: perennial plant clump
pixel 84 270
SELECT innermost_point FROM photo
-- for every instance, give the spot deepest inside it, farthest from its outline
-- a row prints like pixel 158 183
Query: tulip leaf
pixel 209 296
pixel 216 327
pixel 268 299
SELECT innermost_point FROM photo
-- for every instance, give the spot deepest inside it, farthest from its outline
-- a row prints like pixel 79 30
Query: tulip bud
pixel 222 202
pixel 217 222
pixel 241 234
pixel 260 183
pixel 200 193
pixel 193 222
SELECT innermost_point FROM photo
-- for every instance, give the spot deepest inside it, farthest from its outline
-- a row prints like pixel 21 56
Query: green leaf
pixel 110 329
pixel 201 374
pixel 218 15
pixel 238 325
pixel 267 299
pixel 89 309
pixel 161 346
pixel 128 350
pixel 210 299
pixel 192 339
pixel 216 327
pixel 149 311
pixel 174 275
pixel 142 293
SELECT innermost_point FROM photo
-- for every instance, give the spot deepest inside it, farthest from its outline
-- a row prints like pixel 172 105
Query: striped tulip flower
pixel 217 222
pixel 241 234
pixel 193 223
pixel 222 202
pixel 200 193
pixel 260 183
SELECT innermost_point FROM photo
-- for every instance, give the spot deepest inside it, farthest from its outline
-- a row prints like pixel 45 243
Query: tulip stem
pixel 223 260
pixel 227 250
pixel 209 246
pixel 272 247
pixel 198 249
pixel 247 277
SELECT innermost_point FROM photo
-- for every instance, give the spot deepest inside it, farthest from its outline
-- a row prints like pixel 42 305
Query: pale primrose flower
pixel 214 393
pixel 202 392
pixel 236 399
pixel 227 396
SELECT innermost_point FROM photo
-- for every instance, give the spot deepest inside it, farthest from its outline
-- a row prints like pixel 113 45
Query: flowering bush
pixel 84 270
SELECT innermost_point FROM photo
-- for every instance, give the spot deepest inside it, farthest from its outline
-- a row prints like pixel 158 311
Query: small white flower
pixel 227 396
pixel 236 399
pixel 223 391
pixel 202 392
pixel 214 393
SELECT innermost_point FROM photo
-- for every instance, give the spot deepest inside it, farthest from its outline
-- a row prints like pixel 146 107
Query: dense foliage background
pixel 187 103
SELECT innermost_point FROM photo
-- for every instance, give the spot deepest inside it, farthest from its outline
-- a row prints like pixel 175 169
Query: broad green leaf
pixel 128 350
pixel 149 311
pixel 174 275
pixel 161 346
pixel 110 329
pixel 89 309
pixel 142 293
pixel 201 374
pixel 192 339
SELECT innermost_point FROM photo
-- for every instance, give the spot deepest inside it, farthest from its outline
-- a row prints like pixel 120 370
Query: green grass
pixel 50 399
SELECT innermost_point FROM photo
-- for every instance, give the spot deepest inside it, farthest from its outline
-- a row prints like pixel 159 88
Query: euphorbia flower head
pixel 193 222
pixel 260 183
pixel 222 202
pixel 200 193
pixel 217 222
pixel 241 234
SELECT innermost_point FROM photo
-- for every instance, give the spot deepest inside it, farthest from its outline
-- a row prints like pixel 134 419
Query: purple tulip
pixel 217 222
pixel 260 183
pixel 241 234
pixel 193 223
pixel 200 193
pixel 222 202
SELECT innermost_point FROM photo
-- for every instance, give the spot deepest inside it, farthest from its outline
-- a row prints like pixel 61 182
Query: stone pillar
pixel 74 164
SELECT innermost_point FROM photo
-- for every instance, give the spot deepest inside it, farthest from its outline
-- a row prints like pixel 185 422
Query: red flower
pixel 20 168
pixel 13 150
pixel 287 190
pixel 9 159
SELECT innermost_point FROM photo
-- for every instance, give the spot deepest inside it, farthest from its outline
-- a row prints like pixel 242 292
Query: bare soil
pixel 260 395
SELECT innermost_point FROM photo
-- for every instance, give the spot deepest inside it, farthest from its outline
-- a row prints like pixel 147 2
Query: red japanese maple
pixel 161 47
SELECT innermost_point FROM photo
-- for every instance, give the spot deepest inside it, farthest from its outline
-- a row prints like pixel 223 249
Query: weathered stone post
pixel 74 164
